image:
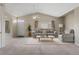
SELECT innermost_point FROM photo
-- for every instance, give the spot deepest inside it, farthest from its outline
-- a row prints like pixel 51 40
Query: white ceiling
pixel 53 9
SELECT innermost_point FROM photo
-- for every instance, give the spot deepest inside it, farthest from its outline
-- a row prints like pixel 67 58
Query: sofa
pixel 44 32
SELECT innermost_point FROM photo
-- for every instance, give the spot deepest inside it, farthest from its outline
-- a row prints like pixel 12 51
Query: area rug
pixel 42 41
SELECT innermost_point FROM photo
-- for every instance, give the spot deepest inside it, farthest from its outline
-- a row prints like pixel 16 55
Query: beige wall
pixel 69 21
pixel 76 26
pixel 43 19
pixel 72 22
pixel 2 27
pixel 3 17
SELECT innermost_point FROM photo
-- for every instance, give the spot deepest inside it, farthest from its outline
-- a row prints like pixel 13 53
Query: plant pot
pixel 29 34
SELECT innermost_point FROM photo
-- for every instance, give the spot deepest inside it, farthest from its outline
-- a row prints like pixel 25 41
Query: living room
pixel 49 24
pixel 40 22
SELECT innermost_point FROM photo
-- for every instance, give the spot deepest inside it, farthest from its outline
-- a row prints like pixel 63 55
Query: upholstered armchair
pixel 69 37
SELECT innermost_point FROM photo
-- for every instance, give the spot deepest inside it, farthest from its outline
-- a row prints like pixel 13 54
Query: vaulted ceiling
pixel 53 9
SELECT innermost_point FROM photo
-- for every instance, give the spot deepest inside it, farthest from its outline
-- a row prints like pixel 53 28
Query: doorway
pixel 20 28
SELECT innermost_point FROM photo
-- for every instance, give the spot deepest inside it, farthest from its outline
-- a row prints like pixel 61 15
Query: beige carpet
pixel 42 41
pixel 19 46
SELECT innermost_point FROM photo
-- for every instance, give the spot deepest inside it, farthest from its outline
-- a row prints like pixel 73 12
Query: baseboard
pixel 77 44
pixel 2 46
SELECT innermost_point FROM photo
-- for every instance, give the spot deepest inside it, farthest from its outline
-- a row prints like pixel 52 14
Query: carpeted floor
pixel 19 46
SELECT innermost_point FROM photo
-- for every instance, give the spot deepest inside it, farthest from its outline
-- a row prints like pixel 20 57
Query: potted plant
pixel 29 30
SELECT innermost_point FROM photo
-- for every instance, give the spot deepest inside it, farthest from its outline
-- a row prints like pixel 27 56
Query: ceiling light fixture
pixel 36 16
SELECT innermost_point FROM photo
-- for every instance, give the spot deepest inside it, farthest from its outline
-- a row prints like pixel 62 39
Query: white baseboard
pixel 77 44
pixel 2 46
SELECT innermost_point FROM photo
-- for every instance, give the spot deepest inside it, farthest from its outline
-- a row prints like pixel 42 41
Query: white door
pixel 20 28
pixel 2 31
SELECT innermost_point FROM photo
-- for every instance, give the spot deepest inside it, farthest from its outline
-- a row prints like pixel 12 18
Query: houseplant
pixel 29 30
